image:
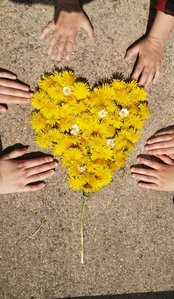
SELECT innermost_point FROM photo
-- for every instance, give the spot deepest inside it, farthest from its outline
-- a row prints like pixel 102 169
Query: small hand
pixel 147 69
pixel 24 175
pixel 65 30
pixel 158 177
pixel 161 144
pixel 11 91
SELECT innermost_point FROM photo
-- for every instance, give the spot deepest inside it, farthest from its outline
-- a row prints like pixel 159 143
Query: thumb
pixel 89 30
pixel 132 52
pixel 15 153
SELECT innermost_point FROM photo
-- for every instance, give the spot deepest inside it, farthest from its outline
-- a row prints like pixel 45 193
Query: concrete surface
pixel 129 232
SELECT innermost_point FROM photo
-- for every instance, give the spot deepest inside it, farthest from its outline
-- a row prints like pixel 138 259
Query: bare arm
pixel 150 50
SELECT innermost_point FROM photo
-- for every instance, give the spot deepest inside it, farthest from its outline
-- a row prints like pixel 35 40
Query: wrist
pixel 156 39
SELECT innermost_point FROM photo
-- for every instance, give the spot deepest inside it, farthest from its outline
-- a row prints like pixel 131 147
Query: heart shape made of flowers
pixel 92 130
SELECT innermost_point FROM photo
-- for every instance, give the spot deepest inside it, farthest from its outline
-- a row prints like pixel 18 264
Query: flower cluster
pixel 92 130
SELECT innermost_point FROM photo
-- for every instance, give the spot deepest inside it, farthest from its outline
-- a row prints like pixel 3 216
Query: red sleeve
pixel 167 6
pixel 160 5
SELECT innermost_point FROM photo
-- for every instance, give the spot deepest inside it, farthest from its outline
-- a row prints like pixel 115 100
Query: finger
pixel 13 84
pixel 148 186
pixel 150 163
pixel 7 75
pixel 161 151
pixel 166 159
pixel 42 168
pixel 37 161
pixel 60 50
pixel 5 99
pixel 52 44
pixel 89 30
pixel 144 178
pixel 144 171
pixel 69 48
pixel 159 139
pixel 3 108
pixel 164 132
pixel 132 52
pixel 46 30
pixel 144 76
pixel 34 187
pixel 40 176
pixel 15 92
pixel 171 156
pixel 138 70
pixel 157 73
pixel 149 80
pixel 15 154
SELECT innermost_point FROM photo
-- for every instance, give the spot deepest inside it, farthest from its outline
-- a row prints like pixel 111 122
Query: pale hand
pixel 161 144
pixel 158 177
pixel 12 92
pixel 24 175
pixel 64 32
pixel 149 52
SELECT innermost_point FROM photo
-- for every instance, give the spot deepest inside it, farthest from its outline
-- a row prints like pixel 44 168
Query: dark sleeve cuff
pixel 166 6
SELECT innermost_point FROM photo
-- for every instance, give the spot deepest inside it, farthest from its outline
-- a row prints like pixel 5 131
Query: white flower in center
pixel 82 169
pixel 66 91
pixel 74 130
pixel 123 112
pixel 110 143
pixel 102 113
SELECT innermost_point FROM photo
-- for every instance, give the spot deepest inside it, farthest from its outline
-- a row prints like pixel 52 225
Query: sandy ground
pixel 129 231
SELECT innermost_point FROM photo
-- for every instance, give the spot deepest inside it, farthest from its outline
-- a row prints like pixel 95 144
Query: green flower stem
pixel 85 197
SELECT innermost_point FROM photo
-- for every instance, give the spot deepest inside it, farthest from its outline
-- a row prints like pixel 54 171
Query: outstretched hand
pixel 158 176
pixel 12 92
pixel 64 30
pixel 24 175
pixel 149 52
pixel 161 144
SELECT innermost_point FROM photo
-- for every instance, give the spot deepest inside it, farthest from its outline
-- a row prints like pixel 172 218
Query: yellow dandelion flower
pixel 105 92
pixel 56 94
pixel 68 78
pixel 50 110
pixel 101 152
pixel 71 155
pixel 38 121
pixel 80 90
pixel 118 84
pixel 120 158
pixel 105 176
pixel 131 134
pixel 65 124
pixel 134 121
pixel 43 140
pixel 144 110
pixel 55 135
pixel 52 120
pixel 39 99
pixel 47 82
pixel 76 183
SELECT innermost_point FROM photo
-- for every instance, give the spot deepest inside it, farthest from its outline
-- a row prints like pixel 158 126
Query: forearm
pixel 162 26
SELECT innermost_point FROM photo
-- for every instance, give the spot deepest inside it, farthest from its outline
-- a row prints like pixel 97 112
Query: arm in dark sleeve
pixel 166 6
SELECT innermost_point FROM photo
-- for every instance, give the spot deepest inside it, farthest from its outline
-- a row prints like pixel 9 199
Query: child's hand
pixel 159 177
pixel 161 144
pixel 11 91
pixel 24 175
pixel 65 30
pixel 147 69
